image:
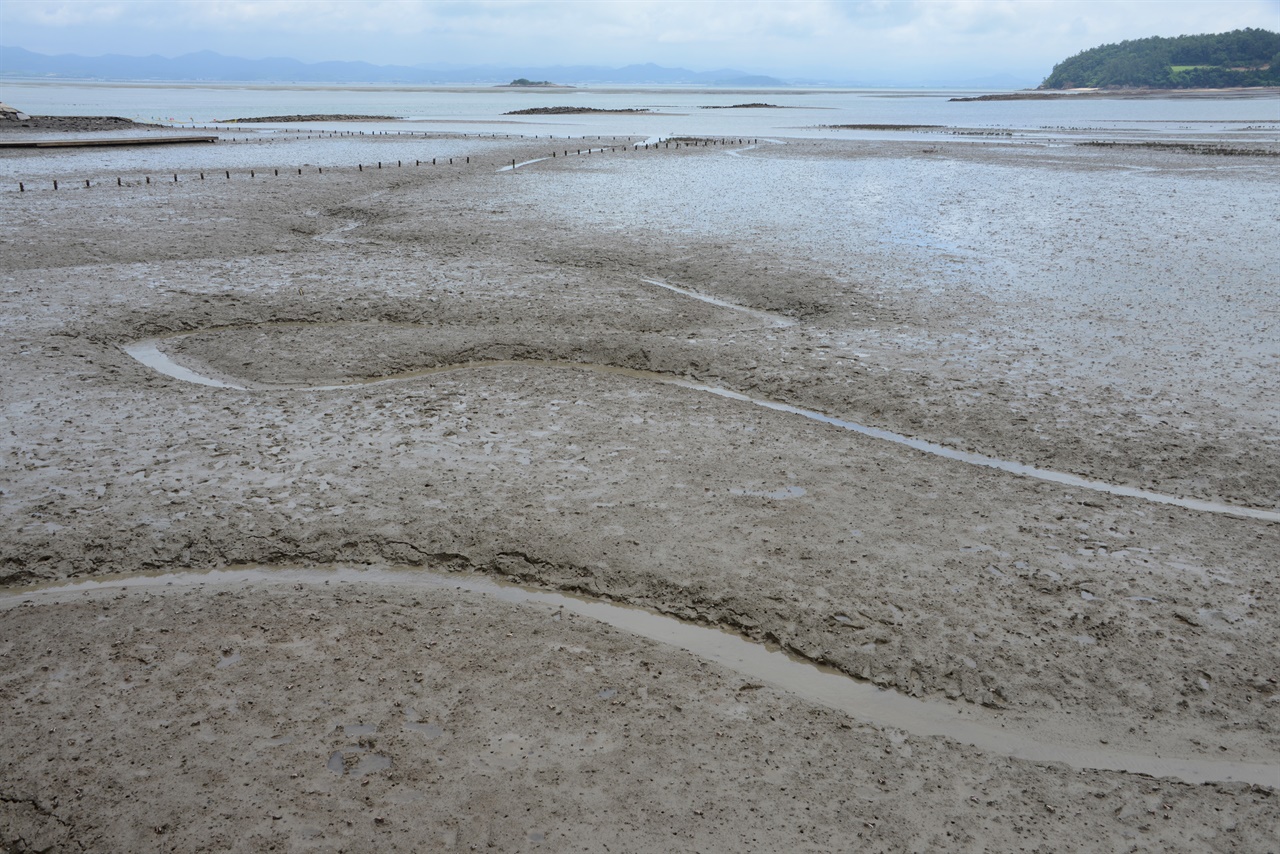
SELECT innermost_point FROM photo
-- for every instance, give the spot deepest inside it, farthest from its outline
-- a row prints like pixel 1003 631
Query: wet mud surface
pixel 1105 620
pixel 357 717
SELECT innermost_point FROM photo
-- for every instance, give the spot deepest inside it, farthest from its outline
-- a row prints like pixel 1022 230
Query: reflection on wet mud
pixel 356 762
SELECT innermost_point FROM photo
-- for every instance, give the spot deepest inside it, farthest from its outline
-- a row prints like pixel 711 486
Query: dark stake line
pixel 399 163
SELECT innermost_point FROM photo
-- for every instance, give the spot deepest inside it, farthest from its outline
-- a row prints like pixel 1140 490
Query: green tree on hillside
pixel 1238 58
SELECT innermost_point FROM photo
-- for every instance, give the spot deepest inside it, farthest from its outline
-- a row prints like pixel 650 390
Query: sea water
pixel 669 110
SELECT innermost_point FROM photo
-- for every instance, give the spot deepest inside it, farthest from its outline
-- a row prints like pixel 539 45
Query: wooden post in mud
pixel 86 183
pixel 119 183
pixel 175 177
pixel 360 167
pixel 22 188
pixel 148 181
pixel 228 175
pixel 251 175
pixel 201 176
pixel 55 184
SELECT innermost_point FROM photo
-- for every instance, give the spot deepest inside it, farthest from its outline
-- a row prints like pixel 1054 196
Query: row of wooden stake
pixel 22 187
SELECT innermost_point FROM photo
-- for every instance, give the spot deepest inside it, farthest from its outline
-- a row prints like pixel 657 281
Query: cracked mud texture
pixel 960 310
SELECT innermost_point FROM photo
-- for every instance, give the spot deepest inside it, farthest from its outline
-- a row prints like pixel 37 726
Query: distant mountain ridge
pixel 214 67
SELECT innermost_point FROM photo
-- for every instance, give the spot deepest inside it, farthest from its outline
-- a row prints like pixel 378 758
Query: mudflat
pixel 607 374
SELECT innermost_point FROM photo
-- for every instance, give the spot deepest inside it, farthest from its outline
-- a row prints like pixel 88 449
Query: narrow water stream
pixel 825 686
pixel 513 166
pixel 149 353
pixel 776 320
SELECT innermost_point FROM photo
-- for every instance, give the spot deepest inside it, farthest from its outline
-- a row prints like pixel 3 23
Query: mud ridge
pixel 149 353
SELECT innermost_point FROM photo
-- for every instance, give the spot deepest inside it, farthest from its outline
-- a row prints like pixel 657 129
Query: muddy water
pixel 758 662
pixel 149 353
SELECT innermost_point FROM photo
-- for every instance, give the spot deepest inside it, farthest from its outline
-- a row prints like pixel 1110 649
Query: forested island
pixel 1248 57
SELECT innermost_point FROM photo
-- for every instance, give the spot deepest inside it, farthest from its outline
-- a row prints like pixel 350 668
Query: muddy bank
pixel 340 716
pixel 882 127
pixel 1128 94
pixel 1191 148
pixel 70 124
pixel 1100 618
pixel 314 117
pixel 571 111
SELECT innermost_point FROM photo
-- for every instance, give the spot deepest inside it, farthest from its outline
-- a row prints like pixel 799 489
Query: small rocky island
pixel 524 83
pixel 570 111
pixel 756 106
pixel 13 119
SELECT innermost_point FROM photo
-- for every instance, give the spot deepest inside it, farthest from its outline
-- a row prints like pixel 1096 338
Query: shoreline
pixel 1267 92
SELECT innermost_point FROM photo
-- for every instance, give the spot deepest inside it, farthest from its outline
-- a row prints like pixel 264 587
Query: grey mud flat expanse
pixel 1103 313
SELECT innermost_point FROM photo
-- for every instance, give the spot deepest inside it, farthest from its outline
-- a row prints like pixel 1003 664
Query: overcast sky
pixel 831 39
